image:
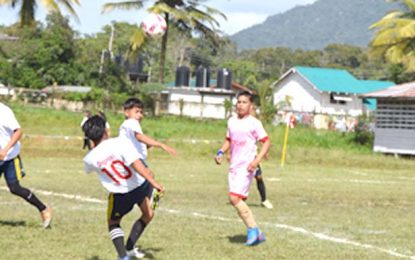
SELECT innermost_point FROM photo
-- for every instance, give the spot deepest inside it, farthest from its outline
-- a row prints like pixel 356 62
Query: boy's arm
pixel 151 142
pixel 264 150
pixel 139 167
pixel 17 134
pixel 222 151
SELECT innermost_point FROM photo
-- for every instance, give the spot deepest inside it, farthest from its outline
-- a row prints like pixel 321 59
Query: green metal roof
pixel 340 81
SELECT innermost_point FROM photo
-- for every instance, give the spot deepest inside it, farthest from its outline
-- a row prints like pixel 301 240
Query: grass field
pixel 330 202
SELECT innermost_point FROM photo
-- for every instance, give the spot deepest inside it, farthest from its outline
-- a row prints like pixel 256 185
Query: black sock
pixel 26 194
pixel 117 237
pixel 261 188
pixel 135 234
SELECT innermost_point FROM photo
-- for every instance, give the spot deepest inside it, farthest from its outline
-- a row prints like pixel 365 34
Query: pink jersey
pixel 243 135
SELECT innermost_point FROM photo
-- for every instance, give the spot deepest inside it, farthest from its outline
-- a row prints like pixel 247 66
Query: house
pixel 201 102
pixel 324 91
pixel 6 91
pixel 395 119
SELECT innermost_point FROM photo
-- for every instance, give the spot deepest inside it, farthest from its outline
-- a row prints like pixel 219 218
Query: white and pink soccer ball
pixel 154 25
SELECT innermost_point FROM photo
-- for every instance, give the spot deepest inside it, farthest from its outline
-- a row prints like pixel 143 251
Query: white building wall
pixel 212 106
pixel 303 97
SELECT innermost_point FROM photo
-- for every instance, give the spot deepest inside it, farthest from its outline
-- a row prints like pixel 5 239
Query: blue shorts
pixel 12 169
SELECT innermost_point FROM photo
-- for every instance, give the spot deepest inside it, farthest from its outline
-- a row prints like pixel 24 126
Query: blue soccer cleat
pixel 252 236
pixel 260 238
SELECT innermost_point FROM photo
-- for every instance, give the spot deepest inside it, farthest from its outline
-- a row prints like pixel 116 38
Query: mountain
pixel 316 25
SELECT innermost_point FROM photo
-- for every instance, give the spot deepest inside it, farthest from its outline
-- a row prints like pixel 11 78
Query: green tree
pixel 183 14
pixel 394 37
pixel 27 8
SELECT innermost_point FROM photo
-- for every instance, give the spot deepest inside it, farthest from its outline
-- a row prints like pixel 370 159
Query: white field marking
pixel 273 179
pixel 65 137
pixel 396 177
pixel 301 230
pixel 345 180
pixel 66 196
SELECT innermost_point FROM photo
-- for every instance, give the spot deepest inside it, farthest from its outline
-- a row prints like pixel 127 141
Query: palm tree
pixel 185 15
pixel 27 8
pixel 395 36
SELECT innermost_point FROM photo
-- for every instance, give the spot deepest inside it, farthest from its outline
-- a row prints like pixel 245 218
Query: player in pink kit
pixel 123 172
pixel 243 132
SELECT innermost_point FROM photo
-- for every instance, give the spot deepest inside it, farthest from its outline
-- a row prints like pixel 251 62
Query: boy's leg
pixel 115 213
pixel 141 223
pixel 117 237
pixel 261 188
pixel 14 172
pixel 243 211
pixel 26 194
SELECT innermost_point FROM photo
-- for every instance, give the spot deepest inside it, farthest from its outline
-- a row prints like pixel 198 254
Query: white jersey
pixel 128 129
pixel 8 124
pixel 112 160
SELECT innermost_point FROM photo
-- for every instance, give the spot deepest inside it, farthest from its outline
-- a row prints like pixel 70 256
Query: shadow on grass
pixel 237 239
pixel 12 223
pixel 149 252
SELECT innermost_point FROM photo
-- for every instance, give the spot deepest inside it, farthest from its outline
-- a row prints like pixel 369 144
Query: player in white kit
pixel 124 174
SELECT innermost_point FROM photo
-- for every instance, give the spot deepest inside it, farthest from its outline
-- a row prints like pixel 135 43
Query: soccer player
pixel 124 174
pixel 11 163
pixel 243 132
pixel 131 129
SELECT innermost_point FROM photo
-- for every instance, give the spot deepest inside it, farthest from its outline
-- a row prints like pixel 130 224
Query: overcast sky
pixel 240 13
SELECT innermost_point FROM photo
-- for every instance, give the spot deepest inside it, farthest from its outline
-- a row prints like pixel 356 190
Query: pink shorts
pixel 240 181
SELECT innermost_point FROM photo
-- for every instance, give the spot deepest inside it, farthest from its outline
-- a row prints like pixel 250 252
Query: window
pixel 340 99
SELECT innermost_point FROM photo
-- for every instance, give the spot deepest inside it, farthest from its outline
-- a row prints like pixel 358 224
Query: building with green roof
pixel 325 91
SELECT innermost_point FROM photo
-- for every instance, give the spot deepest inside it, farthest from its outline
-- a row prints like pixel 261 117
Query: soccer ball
pixel 154 25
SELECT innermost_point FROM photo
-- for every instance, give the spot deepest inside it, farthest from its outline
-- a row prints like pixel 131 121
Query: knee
pixel 112 223
pixel 148 216
pixel 234 200
pixel 14 188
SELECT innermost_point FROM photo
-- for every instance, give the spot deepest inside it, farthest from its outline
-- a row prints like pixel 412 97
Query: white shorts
pixel 239 182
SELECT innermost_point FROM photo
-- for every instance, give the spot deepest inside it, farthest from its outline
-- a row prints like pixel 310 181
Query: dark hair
pixel 102 115
pixel 133 102
pixel 246 94
pixel 94 128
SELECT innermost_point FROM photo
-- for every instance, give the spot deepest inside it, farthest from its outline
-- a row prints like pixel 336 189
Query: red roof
pixel 406 90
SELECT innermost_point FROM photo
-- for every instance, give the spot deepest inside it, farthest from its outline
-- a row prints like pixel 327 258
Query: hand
pixel 252 166
pixel 218 159
pixel 3 154
pixel 169 150
pixel 158 187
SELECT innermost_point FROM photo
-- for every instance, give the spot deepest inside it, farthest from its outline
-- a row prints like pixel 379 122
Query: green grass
pixel 337 190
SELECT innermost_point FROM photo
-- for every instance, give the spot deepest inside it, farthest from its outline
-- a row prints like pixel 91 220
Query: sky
pixel 240 14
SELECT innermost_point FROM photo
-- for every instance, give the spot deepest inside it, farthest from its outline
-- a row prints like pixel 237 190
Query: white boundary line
pixel 301 230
